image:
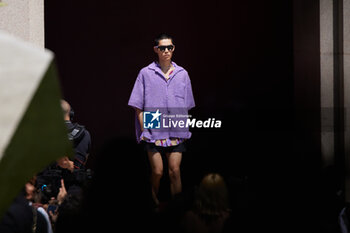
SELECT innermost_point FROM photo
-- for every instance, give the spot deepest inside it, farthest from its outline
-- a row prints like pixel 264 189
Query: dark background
pixel 240 56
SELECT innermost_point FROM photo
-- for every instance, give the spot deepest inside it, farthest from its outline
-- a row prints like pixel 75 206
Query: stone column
pixel 24 19
pixel 327 87
pixel 346 72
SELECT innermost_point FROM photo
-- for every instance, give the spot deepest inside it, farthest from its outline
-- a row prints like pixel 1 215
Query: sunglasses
pixel 163 47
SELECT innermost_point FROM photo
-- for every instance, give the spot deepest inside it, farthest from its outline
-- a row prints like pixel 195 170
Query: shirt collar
pixel 156 67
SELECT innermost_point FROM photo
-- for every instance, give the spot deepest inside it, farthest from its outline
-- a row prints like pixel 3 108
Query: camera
pixel 49 181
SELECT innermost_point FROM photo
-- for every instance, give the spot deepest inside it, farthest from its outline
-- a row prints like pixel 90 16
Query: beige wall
pixel 326 56
pixel 24 19
pixel 327 83
pixel 346 60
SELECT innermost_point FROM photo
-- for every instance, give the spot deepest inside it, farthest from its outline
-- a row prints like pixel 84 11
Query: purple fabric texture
pixel 152 91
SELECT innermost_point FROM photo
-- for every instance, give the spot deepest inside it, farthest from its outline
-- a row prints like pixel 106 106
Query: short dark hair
pixel 162 37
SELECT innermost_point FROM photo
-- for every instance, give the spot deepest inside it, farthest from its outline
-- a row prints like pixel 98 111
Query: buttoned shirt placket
pixel 167 83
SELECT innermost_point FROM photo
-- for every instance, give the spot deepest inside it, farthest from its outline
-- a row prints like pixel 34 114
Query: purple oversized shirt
pixel 173 96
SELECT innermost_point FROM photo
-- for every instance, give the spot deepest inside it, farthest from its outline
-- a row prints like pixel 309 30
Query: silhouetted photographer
pixel 49 181
pixel 79 136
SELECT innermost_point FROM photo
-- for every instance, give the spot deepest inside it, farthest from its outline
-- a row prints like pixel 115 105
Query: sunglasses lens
pixel 169 47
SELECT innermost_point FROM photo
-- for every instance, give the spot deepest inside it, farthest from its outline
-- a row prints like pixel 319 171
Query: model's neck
pixel 165 65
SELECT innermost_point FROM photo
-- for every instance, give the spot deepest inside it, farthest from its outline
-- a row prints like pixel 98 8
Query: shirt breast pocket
pixel 179 94
pixel 179 99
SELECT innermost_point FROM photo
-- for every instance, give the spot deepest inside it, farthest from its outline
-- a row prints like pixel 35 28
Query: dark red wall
pixel 253 64
pixel 238 55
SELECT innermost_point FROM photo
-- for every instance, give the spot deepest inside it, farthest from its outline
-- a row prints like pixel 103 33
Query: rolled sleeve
pixel 137 95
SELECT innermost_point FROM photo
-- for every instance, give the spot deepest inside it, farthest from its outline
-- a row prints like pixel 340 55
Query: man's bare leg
pixel 174 161
pixel 156 162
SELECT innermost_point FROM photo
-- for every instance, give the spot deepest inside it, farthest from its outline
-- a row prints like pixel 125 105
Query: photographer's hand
pixel 65 163
pixel 62 193
pixel 53 216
